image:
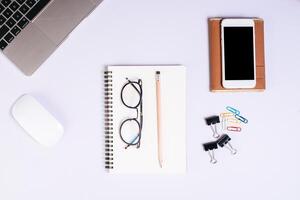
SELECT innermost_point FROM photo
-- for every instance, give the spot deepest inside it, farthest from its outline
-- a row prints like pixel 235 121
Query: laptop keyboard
pixel 15 15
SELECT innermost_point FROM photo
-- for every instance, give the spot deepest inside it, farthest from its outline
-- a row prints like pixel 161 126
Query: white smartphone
pixel 238 53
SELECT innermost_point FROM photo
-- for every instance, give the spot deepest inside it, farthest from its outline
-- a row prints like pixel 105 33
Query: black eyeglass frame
pixel 139 110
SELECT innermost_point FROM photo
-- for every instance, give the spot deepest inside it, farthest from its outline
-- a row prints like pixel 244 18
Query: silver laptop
pixel 30 30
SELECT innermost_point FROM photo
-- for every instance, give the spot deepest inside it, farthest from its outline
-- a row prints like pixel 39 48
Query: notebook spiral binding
pixel 108 125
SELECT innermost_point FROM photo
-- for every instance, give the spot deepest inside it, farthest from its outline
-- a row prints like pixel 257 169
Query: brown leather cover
pixel 216 59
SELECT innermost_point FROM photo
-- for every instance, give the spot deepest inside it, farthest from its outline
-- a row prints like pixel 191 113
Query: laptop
pixel 31 30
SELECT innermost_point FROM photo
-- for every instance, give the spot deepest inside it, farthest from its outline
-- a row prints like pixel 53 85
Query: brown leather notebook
pixel 216 59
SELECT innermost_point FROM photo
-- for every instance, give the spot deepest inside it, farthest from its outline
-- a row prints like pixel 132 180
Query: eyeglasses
pixel 131 128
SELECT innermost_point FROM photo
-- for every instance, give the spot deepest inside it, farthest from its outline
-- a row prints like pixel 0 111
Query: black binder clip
pixel 212 122
pixel 223 141
pixel 210 147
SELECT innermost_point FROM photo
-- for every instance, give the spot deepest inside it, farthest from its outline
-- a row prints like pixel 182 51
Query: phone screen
pixel 239 54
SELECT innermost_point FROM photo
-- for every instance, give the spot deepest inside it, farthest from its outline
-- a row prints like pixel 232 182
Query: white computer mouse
pixel 37 121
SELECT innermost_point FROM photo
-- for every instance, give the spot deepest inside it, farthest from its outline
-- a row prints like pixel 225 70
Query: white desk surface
pixel 69 84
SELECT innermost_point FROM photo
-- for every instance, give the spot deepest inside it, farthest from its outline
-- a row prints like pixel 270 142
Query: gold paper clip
pixel 234 128
pixel 226 115
pixel 233 120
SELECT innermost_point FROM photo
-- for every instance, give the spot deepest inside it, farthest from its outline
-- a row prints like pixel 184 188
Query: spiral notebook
pixel 133 143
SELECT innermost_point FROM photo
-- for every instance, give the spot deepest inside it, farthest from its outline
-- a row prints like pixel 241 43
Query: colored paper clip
pixel 241 118
pixel 233 120
pixel 223 123
pixel 226 115
pixel 210 147
pixel 234 128
pixel 233 110
pixel 223 141
pixel 212 122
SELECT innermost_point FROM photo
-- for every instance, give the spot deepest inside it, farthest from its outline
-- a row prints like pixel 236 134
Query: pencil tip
pixel 160 164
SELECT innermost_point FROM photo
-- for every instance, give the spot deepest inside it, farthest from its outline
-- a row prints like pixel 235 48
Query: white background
pixel 69 84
